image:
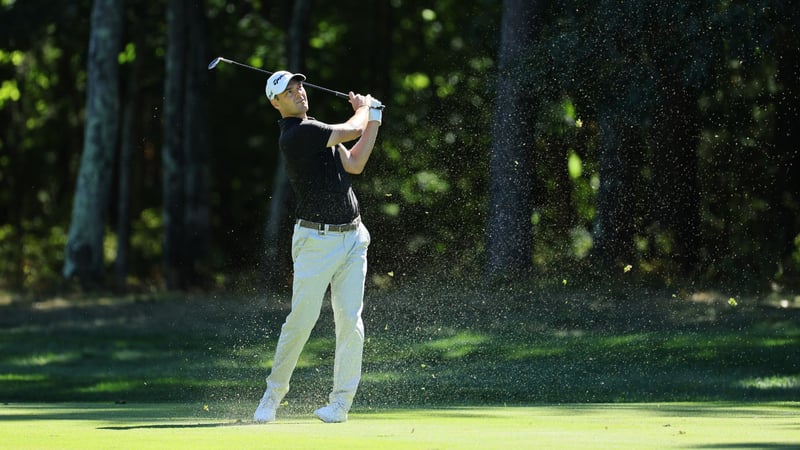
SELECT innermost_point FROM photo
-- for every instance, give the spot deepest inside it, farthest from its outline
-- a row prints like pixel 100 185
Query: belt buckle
pixel 323 228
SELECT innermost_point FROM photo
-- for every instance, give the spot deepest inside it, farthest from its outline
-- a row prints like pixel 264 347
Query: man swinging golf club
pixel 329 243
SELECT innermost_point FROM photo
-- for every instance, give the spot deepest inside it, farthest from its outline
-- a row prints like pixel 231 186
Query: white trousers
pixel 338 260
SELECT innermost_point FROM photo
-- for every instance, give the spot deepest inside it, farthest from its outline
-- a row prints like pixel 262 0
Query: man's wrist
pixel 375 115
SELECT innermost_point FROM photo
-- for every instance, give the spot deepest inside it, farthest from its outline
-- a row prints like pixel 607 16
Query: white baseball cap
pixel 279 80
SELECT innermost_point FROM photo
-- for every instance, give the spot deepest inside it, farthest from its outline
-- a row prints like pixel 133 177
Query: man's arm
pixel 355 159
pixel 355 125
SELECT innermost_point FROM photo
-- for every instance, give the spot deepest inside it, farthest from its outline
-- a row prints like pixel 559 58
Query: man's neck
pixel 302 116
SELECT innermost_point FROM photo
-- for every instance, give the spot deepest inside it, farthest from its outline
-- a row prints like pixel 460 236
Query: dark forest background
pixel 554 140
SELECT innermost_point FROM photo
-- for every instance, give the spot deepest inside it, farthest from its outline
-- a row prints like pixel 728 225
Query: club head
pixel 214 62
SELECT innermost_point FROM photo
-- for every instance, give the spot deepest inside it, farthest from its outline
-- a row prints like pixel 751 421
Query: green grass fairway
pixel 614 426
pixel 577 371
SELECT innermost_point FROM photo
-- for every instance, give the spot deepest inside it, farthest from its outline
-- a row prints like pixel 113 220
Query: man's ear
pixel 275 103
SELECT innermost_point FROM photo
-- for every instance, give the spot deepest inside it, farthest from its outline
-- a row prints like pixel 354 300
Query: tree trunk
pixel 173 158
pixel 676 134
pixel 786 197
pixel 124 168
pixel 613 224
pixel 197 176
pixel 84 252
pixel 277 232
pixel 130 124
pixel 185 156
pixel 509 234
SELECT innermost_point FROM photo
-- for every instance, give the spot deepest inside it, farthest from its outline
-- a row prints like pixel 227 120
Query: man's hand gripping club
pixel 375 106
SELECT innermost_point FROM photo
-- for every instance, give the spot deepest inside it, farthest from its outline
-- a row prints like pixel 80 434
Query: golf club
pixel 220 59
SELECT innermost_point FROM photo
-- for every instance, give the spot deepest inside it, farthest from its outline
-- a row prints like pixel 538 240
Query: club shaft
pixel 330 91
pixel 247 66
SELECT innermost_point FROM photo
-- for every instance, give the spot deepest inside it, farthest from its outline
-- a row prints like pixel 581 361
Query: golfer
pixel 329 243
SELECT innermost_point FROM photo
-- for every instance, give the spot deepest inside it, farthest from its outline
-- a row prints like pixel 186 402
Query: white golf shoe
pixel 333 413
pixel 266 409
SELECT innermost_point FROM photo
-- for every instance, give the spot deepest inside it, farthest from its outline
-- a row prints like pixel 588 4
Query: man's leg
pixel 314 265
pixel 347 294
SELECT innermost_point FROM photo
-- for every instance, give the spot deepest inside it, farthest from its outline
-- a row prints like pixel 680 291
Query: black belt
pixel 322 227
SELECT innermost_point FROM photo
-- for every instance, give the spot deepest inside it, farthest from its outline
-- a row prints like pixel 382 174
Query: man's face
pixel 293 101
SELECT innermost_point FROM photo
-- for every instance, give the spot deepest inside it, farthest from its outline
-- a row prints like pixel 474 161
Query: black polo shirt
pixel 321 185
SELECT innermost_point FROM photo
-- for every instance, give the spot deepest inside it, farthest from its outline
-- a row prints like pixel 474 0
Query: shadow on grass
pixel 425 348
pixel 761 445
pixel 237 423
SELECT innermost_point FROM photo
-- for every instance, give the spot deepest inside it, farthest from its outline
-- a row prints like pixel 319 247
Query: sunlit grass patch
pixel 317 351
pixel 774 382
pixel 15 377
pixel 117 386
pixel 43 359
pixel 459 345
pixel 205 424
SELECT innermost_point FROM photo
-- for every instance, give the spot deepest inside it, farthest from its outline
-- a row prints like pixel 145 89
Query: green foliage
pixel 424 194
pixel 611 59
pixel 41 102
pixel 41 252
pixel 147 241
pixel 128 54
pixel 425 188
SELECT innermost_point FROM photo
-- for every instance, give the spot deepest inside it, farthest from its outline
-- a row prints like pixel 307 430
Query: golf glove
pixel 375 110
